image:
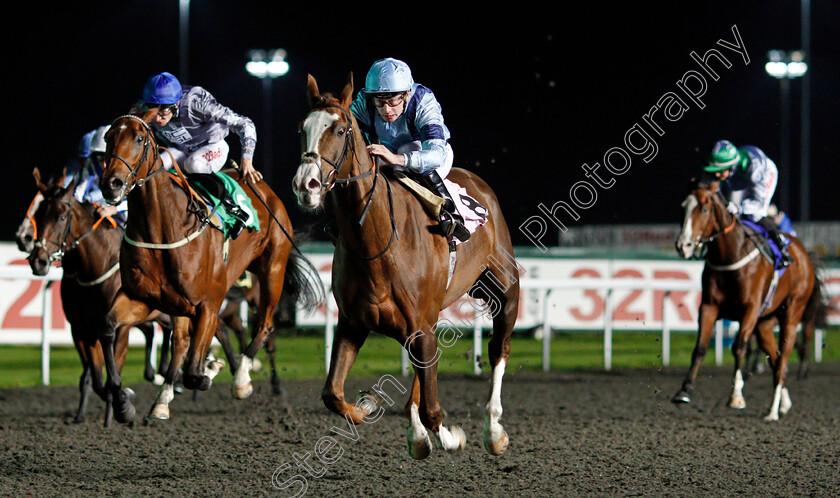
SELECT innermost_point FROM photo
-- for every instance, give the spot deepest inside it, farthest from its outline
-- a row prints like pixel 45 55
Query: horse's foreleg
pixel 345 348
pixel 272 363
pixel 424 353
pixel 739 350
pixel 708 315
pixel 180 343
pixel 204 326
pixel 165 345
pixel 148 330
pixel 123 311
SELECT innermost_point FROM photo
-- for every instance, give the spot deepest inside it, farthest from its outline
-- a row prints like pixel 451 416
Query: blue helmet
pixel 388 76
pixel 163 88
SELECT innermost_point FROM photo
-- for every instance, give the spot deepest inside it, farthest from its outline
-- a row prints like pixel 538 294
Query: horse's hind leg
pixel 787 338
pixel 503 305
pixel 739 351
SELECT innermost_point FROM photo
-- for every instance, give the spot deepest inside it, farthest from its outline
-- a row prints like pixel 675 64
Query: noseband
pixel 703 238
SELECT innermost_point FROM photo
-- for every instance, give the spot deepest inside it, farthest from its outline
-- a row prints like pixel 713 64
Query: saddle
pixel 765 243
pixel 229 207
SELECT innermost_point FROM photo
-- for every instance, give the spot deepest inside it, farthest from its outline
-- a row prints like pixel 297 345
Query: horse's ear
pixel 147 115
pixel 312 92
pixel 713 186
pixel 36 173
pixel 347 92
pixel 60 179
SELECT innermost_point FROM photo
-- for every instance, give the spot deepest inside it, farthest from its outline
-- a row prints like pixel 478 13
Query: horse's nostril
pixel 313 184
pixel 115 183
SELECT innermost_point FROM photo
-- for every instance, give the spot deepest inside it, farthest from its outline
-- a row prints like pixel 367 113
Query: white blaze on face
pixel 684 241
pixel 307 182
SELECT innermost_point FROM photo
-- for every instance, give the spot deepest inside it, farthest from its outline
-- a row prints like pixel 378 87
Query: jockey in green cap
pixel 748 180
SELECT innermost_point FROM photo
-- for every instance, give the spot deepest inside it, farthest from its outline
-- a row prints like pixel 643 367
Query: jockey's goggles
pixel 391 100
pixel 163 109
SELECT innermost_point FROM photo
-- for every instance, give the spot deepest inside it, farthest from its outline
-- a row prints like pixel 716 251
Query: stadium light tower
pixel 785 66
pixel 267 65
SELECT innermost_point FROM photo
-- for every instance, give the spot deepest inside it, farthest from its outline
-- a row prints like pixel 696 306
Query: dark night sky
pixel 528 96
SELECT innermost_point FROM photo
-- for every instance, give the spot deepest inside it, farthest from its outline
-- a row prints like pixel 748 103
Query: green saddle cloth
pixel 237 193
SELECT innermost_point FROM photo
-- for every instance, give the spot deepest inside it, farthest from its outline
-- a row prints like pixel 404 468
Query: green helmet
pixel 724 155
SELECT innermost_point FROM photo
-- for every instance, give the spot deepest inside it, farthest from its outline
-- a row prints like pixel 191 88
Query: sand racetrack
pixel 572 433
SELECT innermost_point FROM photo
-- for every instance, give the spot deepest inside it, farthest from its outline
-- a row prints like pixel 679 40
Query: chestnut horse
pixel 171 263
pixel 736 285
pixel 71 234
pixel 390 272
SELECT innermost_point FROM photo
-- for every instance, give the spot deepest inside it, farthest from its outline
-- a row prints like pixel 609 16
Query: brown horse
pixel 736 283
pixel 171 263
pixel 71 234
pixel 390 272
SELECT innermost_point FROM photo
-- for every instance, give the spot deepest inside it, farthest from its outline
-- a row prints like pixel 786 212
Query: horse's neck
pixel 728 247
pixel 97 251
pixel 157 211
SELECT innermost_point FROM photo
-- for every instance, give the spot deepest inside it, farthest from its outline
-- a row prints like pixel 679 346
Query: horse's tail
pixel 815 316
pixel 303 283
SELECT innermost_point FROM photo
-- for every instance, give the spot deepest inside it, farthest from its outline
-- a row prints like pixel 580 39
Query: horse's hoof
pixel 772 417
pixel 159 380
pixel 243 392
pixel 681 398
pixel 458 434
pixel 159 412
pixel 256 365
pixel 497 447
pixel 737 403
pixel 421 449
pixel 125 414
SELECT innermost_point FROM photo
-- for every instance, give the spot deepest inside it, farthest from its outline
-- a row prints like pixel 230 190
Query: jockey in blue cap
pixel 748 180
pixel 404 126
pixel 91 155
pixel 193 126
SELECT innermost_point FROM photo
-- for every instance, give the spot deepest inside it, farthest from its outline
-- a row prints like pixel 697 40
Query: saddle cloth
pixel 765 242
pixel 220 217
pixel 472 211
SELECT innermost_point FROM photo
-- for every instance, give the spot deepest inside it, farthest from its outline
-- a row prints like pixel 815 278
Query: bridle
pixel 704 239
pixel 148 141
pixel 333 179
pixel 62 244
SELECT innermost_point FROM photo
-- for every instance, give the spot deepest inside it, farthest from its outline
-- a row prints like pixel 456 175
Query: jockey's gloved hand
pixel 733 208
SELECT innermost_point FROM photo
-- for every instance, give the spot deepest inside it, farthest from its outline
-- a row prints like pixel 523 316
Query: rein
pixel 705 240
pixel 334 181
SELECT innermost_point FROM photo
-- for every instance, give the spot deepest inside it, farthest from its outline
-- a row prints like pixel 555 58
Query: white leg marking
pixel 495 437
pixel 737 399
pixel 212 367
pixel 242 387
pixel 161 408
pixel 774 407
pixel 452 440
pixel 785 404
pixel 419 444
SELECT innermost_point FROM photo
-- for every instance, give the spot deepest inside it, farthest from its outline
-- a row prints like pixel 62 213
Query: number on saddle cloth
pixel 219 189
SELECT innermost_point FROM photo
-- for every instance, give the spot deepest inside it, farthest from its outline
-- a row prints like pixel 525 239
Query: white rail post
pixel 608 330
pixel 46 323
pixel 546 333
pixel 477 342
pixel 666 331
pixel 719 343
pixel 328 333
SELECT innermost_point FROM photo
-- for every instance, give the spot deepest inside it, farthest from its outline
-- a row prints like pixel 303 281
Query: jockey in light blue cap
pixel 748 180
pixel 404 126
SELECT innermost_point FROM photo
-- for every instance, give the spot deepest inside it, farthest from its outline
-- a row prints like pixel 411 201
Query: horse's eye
pixel 62 217
pixel 341 132
pixel 139 139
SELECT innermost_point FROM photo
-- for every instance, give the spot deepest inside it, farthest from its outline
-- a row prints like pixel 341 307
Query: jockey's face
pixel 390 108
pixel 723 175
pixel 164 115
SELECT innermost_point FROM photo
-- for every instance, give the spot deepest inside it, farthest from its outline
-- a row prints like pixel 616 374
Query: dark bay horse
pixel 169 262
pixel 71 234
pixel 390 272
pixel 736 285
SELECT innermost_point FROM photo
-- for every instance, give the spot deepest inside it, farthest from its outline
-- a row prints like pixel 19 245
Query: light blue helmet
pixel 388 76
pixel 163 89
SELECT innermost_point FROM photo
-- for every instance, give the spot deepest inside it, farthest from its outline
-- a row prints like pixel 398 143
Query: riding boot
pixel 450 221
pixel 240 216
pixel 778 238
